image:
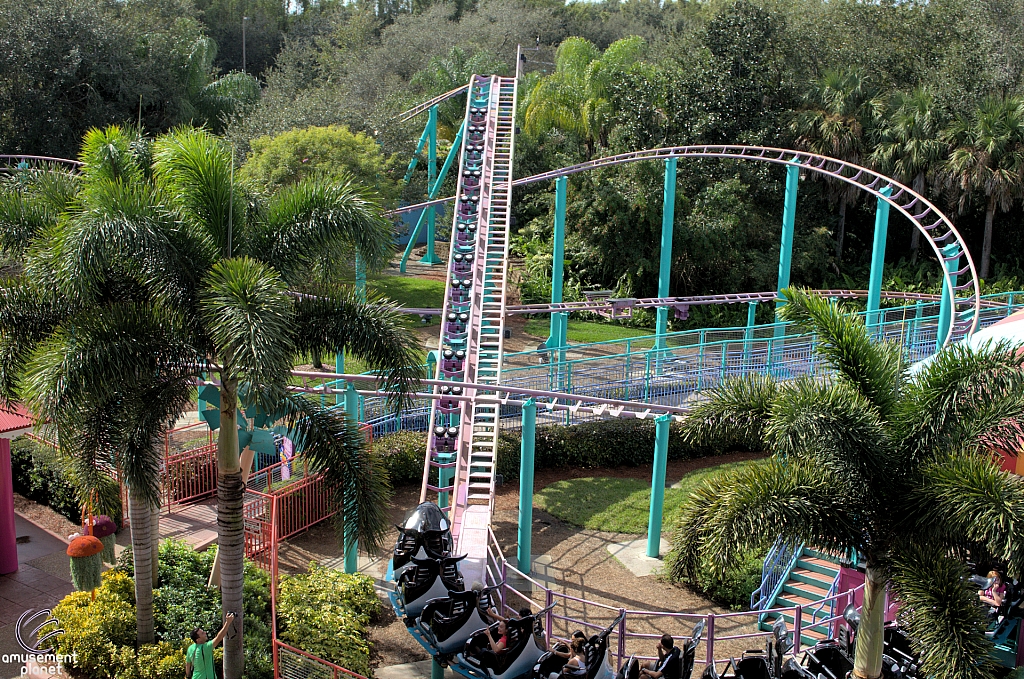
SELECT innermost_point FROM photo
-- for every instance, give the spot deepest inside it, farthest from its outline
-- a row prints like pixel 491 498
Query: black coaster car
pixel 598 665
pixel 757 664
pixel 421 580
pixel 425 534
pixel 446 623
pixel 524 648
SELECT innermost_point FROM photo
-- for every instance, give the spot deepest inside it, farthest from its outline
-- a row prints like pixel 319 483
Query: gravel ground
pixel 580 566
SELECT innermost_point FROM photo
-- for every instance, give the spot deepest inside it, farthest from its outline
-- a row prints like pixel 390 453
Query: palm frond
pixel 193 168
pixel 751 507
pixel 100 354
pixel 27 317
pixel 249 317
pixel 331 318
pixel 27 208
pixel 833 425
pixel 960 397
pixel 944 622
pixel 303 220
pixel 108 154
pixel 334 446
pixel 968 499
pixel 874 369
pixel 734 413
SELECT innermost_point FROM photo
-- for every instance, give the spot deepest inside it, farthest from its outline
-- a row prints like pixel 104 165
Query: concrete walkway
pixel 43 578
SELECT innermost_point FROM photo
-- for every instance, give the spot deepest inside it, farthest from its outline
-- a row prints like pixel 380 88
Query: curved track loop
pixel 406 116
pixel 928 219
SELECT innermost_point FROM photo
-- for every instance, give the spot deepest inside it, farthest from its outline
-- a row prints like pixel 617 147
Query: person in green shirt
pixel 199 657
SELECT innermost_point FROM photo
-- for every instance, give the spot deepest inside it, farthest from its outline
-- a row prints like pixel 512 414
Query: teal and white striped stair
pixel 811 580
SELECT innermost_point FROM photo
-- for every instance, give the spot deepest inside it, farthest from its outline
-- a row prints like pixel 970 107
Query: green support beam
pixel 430 258
pixel 951 252
pixel 785 253
pixel 748 332
pixel 453 153
pixel 878 257
pixel 526 486
pixel 351 542
pixel 668 213
pixel 557 256
pixel 658 485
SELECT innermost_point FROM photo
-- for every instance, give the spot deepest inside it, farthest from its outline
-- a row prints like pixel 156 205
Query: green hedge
pixel 41 476
pixel 605 443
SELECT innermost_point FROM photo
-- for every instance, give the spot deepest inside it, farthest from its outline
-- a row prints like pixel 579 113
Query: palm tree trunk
pixel 840 230
pixel 867 662
pixel 154 538
pixel 915 233
pixel 986 246
pixel 230 525
pixel 142 550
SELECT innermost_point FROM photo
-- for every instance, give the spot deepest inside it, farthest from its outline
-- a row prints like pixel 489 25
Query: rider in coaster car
pixel 577 665
pixel 993 596
pixel 557 646
pixel 499 645
pixel 667 665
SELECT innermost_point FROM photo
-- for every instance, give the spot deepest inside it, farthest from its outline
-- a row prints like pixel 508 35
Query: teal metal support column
pixel 952 253
pixel 878 257
pixel 416 156
pixel 453 153
pixel 360 277
pixel 339 368
pixel 526 486
pixel 557 253
pixel 658 485
pixel 351 543
pixel 785 254
pixel 430 257
pixel 748 332
pixel 788 226
pixel 668 214
pixel 436 671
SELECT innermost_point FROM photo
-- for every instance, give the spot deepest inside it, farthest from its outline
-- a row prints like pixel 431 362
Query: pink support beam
pixel 13 422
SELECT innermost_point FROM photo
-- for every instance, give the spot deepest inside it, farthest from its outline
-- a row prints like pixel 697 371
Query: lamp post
pixel 244 19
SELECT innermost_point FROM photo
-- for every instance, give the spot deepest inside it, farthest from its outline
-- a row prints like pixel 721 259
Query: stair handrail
pixel 831 602
pixel 777 566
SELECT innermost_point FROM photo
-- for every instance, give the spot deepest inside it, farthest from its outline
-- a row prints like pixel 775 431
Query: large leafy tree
pixel 988 156
pixel 907 143
pixel 834 123
pixel 870 459
pixel 221 273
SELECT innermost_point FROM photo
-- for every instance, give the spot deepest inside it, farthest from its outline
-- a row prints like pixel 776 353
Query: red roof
pixel 14 417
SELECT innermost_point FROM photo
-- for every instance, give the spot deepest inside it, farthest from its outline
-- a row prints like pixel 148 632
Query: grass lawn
pixel 415 293
pixel 619 505
pixel 583 332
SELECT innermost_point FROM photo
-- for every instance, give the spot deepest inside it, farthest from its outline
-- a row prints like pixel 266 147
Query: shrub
pixel 402 455
pixel 731 588
pixel 325 612
pixel 605 443
pixel 95 630
pixel 42 477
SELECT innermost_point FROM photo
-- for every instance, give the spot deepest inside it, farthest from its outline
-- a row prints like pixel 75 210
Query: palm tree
pixel 871 460
pixel 834 123
pixel 988 155
pixel 97 370
pixel 444 74
pixel 575 97
pixel 231 267
pixel 907 143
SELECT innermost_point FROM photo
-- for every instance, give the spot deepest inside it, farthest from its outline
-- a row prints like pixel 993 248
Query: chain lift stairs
pixel 462 446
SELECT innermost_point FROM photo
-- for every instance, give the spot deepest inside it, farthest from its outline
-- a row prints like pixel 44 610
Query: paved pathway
pixel 43 578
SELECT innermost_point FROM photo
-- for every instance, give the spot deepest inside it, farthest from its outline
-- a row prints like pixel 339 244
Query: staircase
pixel 476 290
pixel 811 579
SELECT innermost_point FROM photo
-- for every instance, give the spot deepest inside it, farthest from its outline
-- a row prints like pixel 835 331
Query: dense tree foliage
pixel 927 92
